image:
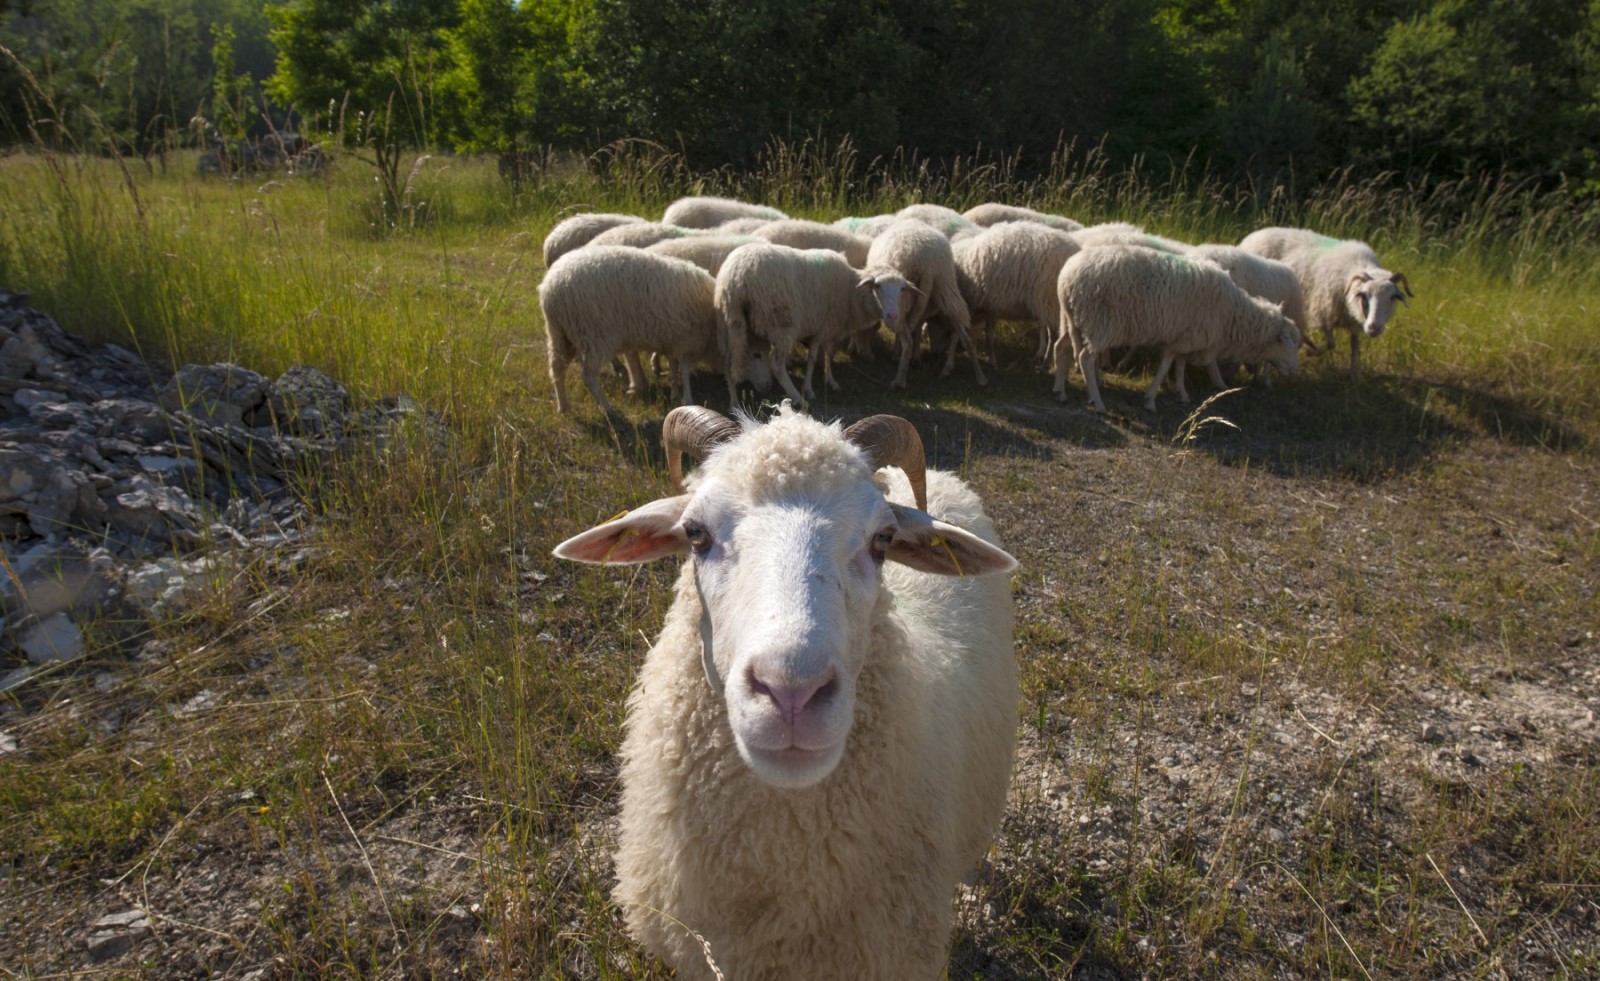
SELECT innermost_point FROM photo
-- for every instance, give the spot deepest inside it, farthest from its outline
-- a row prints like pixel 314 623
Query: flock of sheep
pixel 739 286
pixel 818 745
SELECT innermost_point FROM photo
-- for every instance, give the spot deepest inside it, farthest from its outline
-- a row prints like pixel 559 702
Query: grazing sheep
pixel 1120 233
pixel 708 252
pixel 1113 296
pixel 641 235
pixel 869 227
pixel 1009 272
pixel 741 226
pixel 578 231
pixel 948 221
pixel 1258 276
pixel 992 213
pixel 818 746
pixel 798 233
pixel 925 257
pixel 1344 285
pixel 710 212
pixel 785 296
pixel 604 300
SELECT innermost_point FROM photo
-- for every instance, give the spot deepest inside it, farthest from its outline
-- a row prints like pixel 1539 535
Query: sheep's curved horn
pixel 1399 279
pixel 890 441
pixel 695 430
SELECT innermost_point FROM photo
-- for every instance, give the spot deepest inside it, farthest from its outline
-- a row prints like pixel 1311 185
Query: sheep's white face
pixel 789 587
pixel 790 579
pixel 1283 350
pixel 887 291
pixel 1371 300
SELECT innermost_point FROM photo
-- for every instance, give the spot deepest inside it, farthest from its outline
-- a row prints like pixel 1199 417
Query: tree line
pixel 1256 89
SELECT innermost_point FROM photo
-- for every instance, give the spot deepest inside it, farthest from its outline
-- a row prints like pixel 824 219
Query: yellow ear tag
pixel 938 542
pixel 624 536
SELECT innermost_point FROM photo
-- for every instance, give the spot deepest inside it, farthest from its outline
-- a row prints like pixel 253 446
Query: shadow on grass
pixel 1324 424
pixel 959 421
pixel 1319 423
pixel 1035 925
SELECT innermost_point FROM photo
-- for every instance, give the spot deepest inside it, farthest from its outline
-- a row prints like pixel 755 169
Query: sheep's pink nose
pixel 792 697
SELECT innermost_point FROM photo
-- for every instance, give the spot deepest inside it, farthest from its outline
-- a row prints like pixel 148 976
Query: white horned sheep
pixel 1344 285
pixel 1009 272
pixel 580 230
pixel 925 258
pixel 709 212
pixel 1116 296
pixel 993 213
pixel 785 296
pixel 819 743
pixel 797 233
pixel 604 300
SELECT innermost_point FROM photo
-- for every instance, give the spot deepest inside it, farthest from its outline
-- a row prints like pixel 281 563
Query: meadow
pixel 1310 675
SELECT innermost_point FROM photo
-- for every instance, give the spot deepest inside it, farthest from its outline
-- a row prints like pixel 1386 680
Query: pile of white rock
pixel 121 482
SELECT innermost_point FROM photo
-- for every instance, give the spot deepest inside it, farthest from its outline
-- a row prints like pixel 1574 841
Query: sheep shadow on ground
pixel 958 422
pixel 1326 425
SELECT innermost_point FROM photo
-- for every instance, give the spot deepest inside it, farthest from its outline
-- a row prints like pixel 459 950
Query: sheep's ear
pixel 641 535
pixel 930 545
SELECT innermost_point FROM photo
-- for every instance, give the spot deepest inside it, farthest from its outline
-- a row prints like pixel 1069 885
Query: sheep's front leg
pixel 814 352
pixel 1180 380
pixel 1167 357
pixel 591 378
pixel 684 366
pixel 1355 355
pixel 780 371
pixel 907 346
pixel 1215 373
pixel 635 369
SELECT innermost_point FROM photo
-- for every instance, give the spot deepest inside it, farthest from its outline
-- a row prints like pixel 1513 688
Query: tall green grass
pixel 277 271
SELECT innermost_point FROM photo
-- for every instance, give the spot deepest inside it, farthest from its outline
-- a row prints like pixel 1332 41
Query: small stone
pixel 8 743
pixel 131 919
pixel 1430 733
pixel 27 398
pixel 106 944
pixel 55 638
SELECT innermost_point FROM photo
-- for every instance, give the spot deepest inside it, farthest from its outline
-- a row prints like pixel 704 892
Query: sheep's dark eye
pixel 881 542
pixel 699 538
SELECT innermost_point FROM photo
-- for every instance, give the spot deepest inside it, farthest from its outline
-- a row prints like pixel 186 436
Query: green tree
pixel 512 83
pixel 1468 85
pixel 132 71
pixel 370 65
